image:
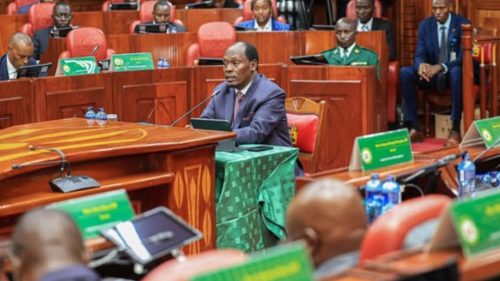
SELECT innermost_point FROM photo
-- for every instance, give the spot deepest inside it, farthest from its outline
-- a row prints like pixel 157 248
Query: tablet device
pixel 200 5
pixel 152 234
pixel 210 61
pixel 152 28
pixel 104 64
pixel 62 31
pixel 36 70
pixel 314 60
pixel 211 124
pixel 241 28
pixel 322 27
pixel 123 6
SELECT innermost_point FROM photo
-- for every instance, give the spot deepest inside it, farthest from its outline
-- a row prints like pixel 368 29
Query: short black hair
pixel 251 52
pixel 270 2
pixel 161 3
pixel 59 4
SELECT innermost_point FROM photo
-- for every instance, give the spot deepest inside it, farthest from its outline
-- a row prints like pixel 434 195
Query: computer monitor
pixel 200 5
pixel 36 70
pixel 151 28
pixel 210 61
pixel 322 27
pixel 211 124
pixel 309 60
pixel 62 31
pixel 123 6
pixel 241 28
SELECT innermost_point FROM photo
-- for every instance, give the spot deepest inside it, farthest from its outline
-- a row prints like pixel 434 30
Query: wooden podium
pixel 158 166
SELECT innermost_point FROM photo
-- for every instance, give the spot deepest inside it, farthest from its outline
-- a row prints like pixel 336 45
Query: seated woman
pixel 262 11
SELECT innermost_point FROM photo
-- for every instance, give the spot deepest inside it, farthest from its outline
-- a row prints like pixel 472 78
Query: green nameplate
pixel 381 150
pixel 131 62
pixel 96 212
pixel 477 223
pixel 282 263
pixel 485 131
pixel 77 66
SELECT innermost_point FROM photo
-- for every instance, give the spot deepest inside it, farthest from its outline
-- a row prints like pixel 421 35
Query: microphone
pixel 436 165
pixel 94 50
pixel 194 108
pixel 497 142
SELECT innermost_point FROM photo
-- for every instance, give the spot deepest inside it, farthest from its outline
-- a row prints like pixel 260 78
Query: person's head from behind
pixel 345 31
pixel 43 241
pixel 364 10
pixel 241 61
pixel 329 217
pixel 262 11
pixel 20 49
pixel 62 15
pixel 161 12
pixel 441 9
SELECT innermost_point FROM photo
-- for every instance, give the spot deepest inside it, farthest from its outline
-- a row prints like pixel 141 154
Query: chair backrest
pixel 173 270
pixel 39 17
pixel 351 9
pixel 12 7
pixel 82 41
pixel 247 10
pixel 214 38
pixel 388 233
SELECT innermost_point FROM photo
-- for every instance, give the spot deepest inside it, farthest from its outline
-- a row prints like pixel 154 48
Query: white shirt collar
pixel 267 27
pixel 244 90
pixel 349 50
pixel 11 69
pixel 368 24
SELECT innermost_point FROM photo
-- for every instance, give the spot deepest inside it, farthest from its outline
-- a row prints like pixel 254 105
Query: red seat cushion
pixel 303 131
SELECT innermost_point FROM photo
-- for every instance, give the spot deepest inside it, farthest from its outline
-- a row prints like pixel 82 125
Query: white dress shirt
pixel 267 27
pixel 11 69
pixel 365 27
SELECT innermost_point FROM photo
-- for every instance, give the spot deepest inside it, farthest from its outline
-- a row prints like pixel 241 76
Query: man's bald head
pixel 329 217
pixel 345 31
pixel 20 49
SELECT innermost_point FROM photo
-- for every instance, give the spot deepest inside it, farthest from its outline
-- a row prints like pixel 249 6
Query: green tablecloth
pixel 253 190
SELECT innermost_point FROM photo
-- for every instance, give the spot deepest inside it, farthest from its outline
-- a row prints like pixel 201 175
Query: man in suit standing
pixel 437 63
pixel 254 105
pixel 161 15
pixel 61 16
pixel 20 50
pixel 347 51
pixel 366 22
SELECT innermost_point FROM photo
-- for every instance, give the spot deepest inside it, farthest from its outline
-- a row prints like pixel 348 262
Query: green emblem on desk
pixel 132 62
pixel 381 150
pixel 96 212
pixel 486 131
pixel 77 66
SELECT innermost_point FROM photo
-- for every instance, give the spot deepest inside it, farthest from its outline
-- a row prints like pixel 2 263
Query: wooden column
pixel 467 76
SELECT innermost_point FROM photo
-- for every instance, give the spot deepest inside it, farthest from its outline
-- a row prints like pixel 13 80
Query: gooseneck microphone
pixel 96 48
pixel 194 108
pixel 436 165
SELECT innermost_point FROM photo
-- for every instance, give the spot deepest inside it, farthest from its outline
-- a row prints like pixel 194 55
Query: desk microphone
pixel 434 166
pixel 96 48
pixel 194 108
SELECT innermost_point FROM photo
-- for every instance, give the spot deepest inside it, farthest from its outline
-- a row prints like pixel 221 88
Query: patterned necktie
pixel 237 101
pixel 443 58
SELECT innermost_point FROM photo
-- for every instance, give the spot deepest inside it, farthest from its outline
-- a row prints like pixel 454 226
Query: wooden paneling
pixel 121 81
pixel 16 103
pixel 194 18
pixel 118 22
pixel 173 47
pixel 9 26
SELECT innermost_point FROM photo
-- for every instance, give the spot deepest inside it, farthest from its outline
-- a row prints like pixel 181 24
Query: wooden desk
pixel 158 166
pixel 17 102
pixel 57 46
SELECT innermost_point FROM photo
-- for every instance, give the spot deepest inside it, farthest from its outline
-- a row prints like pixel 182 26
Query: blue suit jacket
pixel 4 72
pixel 261 117
pixel 276 25
pixel 428 42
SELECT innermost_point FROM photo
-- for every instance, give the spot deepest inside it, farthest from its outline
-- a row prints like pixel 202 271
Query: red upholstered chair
pixel 203 263
pixel 247 14
pixel 306 123
pixel 13 6
pixel 213 40
pixel 39 17
pixel 351 9
pixel 146 15
pixel 388 233
pixel 82 41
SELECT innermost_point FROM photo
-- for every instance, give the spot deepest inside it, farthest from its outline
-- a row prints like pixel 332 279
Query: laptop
pixel 123 6
pixel 36 70
pixel 152 28
pixel 309 60
pixel 210 61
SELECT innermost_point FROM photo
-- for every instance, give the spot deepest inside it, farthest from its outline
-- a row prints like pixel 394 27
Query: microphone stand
pixel 193 109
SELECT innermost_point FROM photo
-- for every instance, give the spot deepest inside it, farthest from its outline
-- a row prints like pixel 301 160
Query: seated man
pixel 366 22
pixel 329 217
pixel 161 15
pixel 47 246
pixel 437 63
pixel 20 50
pixel 347 51
pixel 262 11
pixel 61 16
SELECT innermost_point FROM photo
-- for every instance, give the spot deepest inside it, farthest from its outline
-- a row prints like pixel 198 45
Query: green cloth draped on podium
pixel 253 190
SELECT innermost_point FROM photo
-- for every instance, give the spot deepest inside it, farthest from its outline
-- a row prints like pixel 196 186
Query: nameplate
pixel 485 131
pixel 381 150
pixel 96 212
pixel 282 263
pixel 77 66
pixel 132 62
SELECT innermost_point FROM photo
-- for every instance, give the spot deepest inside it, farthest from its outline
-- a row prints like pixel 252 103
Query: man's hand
pixel 427 71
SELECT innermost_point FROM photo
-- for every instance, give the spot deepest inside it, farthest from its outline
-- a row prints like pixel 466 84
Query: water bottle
pixel 162 63
pixel 495 179
pixel 90 116
pixel 466 176
pixel 373 198
pixel 392 191
pixel 101 117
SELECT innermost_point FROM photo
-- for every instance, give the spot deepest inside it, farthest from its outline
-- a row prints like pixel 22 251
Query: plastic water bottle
pixel 90 116
pixel 495 179
pixel 101 117
pixel 374 199
pixel 392 190
pixel 466 176
pixel 162 63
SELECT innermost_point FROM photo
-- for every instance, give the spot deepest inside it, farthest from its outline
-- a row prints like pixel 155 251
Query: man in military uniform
pixel 347 51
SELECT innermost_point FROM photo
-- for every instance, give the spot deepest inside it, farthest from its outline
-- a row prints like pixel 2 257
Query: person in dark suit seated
pixel 61 16
pixel 437 63
pixel 262 11
pixel 48 246
pixel 347 51
pixel 20 51
pixel 253 104
pixel 366 22
pixel 328 216
pixel 161 15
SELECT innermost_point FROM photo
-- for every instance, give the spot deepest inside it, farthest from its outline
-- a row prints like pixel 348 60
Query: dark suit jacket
pixel 41 41
pixel 385 25
pixel 261 117
pixel 177 27
pixel 4 72
pixel 428 42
